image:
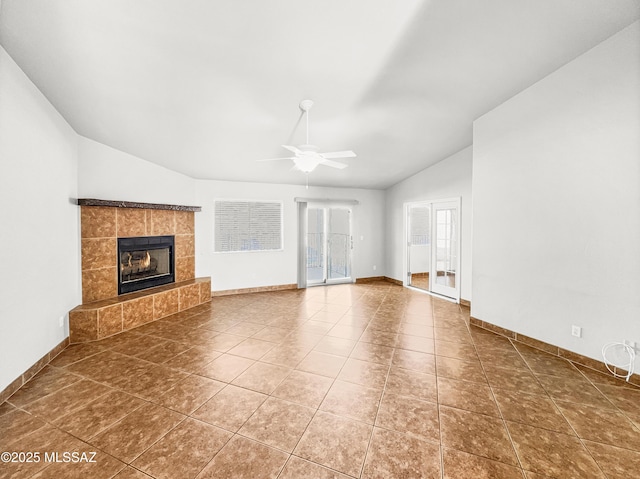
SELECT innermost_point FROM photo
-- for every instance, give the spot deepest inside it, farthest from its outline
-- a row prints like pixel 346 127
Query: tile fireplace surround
pixel 103 313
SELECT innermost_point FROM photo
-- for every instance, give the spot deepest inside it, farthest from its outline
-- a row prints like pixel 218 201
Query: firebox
pixel 145 262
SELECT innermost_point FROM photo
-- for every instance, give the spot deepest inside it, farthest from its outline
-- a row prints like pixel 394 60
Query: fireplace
pixel 144 262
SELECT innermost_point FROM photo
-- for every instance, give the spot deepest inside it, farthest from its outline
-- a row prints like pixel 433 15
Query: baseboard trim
pixel 551 349
pixel 259 289
pixel 284 287
pixel 21 380
pixel 369 279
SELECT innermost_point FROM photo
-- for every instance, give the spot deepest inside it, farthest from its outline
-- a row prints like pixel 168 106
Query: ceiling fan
pixel 307 156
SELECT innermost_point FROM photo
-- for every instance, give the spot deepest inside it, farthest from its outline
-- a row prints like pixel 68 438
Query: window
pixel 247 226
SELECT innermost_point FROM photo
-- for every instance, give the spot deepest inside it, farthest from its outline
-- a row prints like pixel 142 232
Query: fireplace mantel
pixel 132 204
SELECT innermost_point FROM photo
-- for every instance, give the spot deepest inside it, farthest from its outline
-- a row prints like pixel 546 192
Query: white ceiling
pixel 206 87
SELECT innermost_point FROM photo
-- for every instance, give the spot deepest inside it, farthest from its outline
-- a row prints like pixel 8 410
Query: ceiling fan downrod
pixel 305 106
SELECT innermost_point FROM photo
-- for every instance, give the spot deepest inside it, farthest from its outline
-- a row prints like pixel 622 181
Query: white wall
pixel 255 269
pixel 39 238
pixel 109 174
pixel 449 178
pixel 556 193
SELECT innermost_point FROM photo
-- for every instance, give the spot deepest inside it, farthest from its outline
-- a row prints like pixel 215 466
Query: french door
pixel 433 247
pixel 329 245
pixel 445 249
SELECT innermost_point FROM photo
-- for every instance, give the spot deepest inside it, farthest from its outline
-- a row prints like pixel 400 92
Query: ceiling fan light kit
pixel 307 157
pixel 306 165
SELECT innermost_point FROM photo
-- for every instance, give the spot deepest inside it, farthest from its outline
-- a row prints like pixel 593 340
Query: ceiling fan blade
pixel 292 149
pixel 275 159
pixel 339 154
pixel 333 164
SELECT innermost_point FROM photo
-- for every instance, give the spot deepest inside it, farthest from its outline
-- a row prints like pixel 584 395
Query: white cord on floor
pixel 627 366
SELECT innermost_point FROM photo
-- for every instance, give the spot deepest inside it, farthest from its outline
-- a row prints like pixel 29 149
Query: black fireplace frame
pixel 138 243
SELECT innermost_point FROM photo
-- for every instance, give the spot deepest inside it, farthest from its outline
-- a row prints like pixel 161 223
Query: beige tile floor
pixel 370 381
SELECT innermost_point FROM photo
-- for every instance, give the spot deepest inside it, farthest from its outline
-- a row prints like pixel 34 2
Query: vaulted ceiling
pixel 207 87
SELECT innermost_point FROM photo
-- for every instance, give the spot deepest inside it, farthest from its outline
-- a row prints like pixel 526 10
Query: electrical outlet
pixel 375 267
pixel 61 321
pixel 576 331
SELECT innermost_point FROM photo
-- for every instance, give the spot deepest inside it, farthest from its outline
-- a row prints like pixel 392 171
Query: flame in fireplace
pixel 125 262
pixel 145 261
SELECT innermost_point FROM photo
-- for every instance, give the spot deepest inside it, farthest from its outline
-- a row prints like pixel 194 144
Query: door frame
pixel 327 207
pixel 405 249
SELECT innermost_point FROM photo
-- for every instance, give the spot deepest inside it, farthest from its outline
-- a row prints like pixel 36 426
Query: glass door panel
pixel 419 246
pixel 339 245
pixel 316 243
pixel 444 255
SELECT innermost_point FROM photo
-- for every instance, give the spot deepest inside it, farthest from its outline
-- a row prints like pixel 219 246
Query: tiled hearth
pixel 105 318
pixel 104 313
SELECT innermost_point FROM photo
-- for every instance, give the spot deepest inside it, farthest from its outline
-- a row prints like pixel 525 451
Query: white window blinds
pixel 247 226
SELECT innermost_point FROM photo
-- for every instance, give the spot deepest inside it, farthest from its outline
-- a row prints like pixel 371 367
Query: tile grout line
pixel 270 395
pixel 234 433
pixel 186 416
pixel 375 419
pixel 553 400
pixel 462 409
pixel 587 450
pixel 491 389
pixel 593 384
pixel 317 409
pixel 435 364
pixel 336 378
pixel 504 421
pixel 87 442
